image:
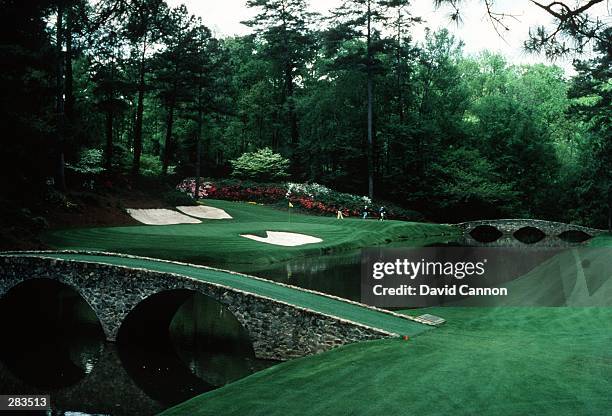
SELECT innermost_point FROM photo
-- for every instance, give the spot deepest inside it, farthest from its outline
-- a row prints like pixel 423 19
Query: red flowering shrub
pixel 309 197
pixel 188 186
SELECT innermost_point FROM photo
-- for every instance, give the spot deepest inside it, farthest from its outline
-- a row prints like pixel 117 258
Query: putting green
pixel 215 241
pixel 323 304
pixel 483 361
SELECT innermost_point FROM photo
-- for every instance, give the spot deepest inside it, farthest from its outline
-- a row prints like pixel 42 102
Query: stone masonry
pixel 510 226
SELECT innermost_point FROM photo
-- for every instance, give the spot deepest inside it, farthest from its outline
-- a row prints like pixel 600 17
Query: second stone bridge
pixel 510 227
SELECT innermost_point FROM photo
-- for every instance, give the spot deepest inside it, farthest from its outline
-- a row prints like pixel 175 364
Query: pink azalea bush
pixel 312 197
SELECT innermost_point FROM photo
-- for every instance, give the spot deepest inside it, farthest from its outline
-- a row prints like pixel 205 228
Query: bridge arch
pixel 151 319
pixel 529 234
pixel 51 324
pixel 574 236
pixel 485 233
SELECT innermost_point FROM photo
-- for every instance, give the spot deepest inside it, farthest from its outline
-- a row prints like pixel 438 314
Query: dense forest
pixel 135 88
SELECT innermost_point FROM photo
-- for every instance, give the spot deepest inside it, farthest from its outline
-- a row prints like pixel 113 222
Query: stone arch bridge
pixel 510 226
pixel 282 321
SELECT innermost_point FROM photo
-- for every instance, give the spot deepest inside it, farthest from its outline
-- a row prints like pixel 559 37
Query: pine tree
pixel 143 30
pixel 284 26
pixel 363 19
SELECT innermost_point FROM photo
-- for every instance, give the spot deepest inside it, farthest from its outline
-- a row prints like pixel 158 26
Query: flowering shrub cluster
pixel 322 199
pixel 255 193
pixel 188 186
pixel 310 197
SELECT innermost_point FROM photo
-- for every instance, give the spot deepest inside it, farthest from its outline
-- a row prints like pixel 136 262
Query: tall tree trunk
pixel 139 112
pixel 370 151
pixel 198 154
pixel 289 90
pixel 291 104
pixel 110 116
pixel 60 179
pixel 168 142
pixel 69 81
pixel 199 138
pixel 400 98
pixel 292 121
pixel 109 138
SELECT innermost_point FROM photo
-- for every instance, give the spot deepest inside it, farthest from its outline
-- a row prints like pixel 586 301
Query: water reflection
pixel 55 336
pixel 338 274
pixel 574 236
pixel 212 343
pixel 485 233
pixel 84 374
pixel 529 235
pixel 512 242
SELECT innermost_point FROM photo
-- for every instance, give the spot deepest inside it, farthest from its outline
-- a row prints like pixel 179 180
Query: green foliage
pixel 467 182
pixel 90 162
pixel 262 165
pixel 176 198
pixel 150 165
pixel 450 134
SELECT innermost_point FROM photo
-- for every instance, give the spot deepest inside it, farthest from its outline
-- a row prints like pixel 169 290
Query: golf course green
pixel 219 241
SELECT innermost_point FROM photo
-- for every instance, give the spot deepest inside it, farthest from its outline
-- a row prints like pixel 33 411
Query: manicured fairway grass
pixel 483 361
pixel 323 304
pixel 603 240
pixel 219 241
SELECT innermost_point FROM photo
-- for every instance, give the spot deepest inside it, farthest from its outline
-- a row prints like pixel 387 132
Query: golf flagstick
pixel 290 206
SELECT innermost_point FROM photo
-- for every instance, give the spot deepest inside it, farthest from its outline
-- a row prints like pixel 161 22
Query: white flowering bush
pixel 311 197
pixel 312 190
pixel 323 199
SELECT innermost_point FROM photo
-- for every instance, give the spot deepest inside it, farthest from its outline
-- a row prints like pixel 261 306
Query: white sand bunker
pixel 161 217
pixel 209 213
pixel 281 238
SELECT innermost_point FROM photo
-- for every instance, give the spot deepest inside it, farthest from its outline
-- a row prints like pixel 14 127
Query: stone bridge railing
pixel 276 329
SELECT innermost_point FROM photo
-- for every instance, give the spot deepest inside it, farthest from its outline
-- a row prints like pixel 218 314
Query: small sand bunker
pixel 209 213
pixel 281 238
pixel 161 217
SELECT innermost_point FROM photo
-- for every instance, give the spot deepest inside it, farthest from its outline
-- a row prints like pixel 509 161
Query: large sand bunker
pixel 161 217
pixel 281 238
pixel 201 211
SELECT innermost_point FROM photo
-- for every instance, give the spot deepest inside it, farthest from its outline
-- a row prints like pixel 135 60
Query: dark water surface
pixel 57 347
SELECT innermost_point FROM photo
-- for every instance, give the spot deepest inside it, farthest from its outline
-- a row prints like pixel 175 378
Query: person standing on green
pixel 381 213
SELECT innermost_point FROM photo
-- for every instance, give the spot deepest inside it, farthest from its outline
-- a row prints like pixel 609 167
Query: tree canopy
pixel 351 101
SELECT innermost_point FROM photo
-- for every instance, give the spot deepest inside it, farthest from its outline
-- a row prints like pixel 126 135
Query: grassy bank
pixel 488 361
pixel 219 241
pixel 603 240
